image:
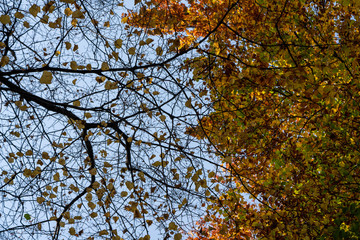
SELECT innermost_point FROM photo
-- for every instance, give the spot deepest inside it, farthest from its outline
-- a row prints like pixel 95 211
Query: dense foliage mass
pixel 284 82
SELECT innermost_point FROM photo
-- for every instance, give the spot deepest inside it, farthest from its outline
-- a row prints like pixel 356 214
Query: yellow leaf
pixel 56 177
pixel 188 103
pixel 93 215
pixel 67 45
pixel 123 194
pixel 44 19
pixel 91 205
pixel 34 10
pixel 103 232
pixel 157 164
pixel 177 236
pixel 72 231
pixel 107 24
pixel 88 67
pixel 104 66
pixel 68 11
pixel 78 14
pixel 5 19
pixel 211 174
pixel 76 103
pixel 2 45
pixel 27 172
pixel 40 200
pixel 172 226
pixel 124 20
pixel 45 155
pixel 137 214
pixel 110 85
pixel 131 51
pixel 26 24
pixel 137 1
pixel 106 164
pixel 19 15
pixel 68 1
pixel 73 65
pixel 29 153
pixel 92 171
pixel 159 51
pixel 149 40
pixel 46 77
pixel 4 60
pixel 129 185
pixel 87 115
pixel 162 118
pixel 118 43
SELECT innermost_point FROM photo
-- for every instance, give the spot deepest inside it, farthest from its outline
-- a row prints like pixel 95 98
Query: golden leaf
pixel 68 12
pixel 56 177
pixel 177 236
pixel 131 51
pixel 110 85
pixel 4 60
pixel 45 155
pixel 72 231
pixel 188 103
pixel 88 197
pixel 149 40
pixel 34 10
pixel 40 200
pixel 159 51
pixel 87 115
pixel 5 19
pixel 29 153
pixel 73 65
pixel 129 185
pixel 106 164
pixel 78 14
pixel 118 43
pixel 103 232
pixel 105 66
pixel 92 171
pixel 46 77
pixel 76 103
pixel 19 15
pixel 172 226
pixel 91 205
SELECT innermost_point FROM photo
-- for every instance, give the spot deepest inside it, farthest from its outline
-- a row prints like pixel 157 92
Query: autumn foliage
pixel 126 124
pixel 283 77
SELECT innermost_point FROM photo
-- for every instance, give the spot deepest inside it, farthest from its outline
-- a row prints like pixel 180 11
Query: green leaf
pixel 27 216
